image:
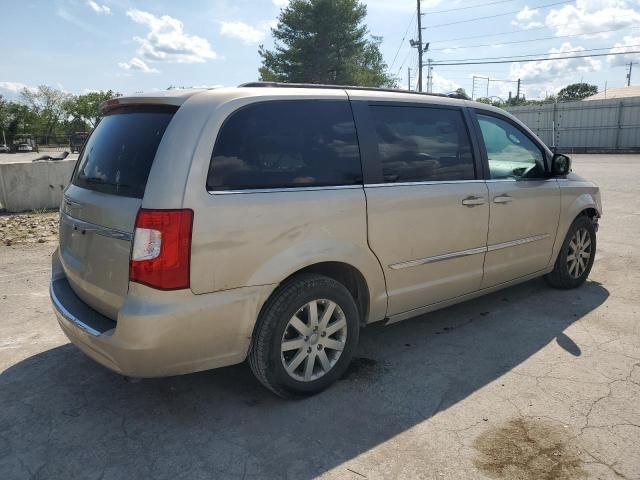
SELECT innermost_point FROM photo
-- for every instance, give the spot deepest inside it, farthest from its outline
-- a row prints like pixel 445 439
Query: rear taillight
pixel 161 251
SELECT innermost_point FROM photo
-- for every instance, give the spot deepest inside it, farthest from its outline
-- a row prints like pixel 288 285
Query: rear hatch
pixel 100 206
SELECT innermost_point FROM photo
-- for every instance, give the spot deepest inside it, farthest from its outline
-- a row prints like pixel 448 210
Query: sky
pixel 132 46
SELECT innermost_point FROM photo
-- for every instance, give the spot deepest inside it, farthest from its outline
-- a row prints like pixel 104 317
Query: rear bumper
pixel 161 333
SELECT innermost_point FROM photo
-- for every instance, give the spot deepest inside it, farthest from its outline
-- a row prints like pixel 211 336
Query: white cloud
pixel 167 41
pixel 591 16
pixel 99 9
pixel 242 31
pixel 15 87
pixel 440 84
pixel 137 65
pixel 629 44
pixel 524 19
pixel 527 25
pixel 526 14
pixel 281 3
pixel 544 76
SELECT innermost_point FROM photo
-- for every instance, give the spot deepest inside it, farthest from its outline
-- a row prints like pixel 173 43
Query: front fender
pixel 573 204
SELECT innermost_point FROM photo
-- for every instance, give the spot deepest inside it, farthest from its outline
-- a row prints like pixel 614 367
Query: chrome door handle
pixel 502 199
pixel 473 201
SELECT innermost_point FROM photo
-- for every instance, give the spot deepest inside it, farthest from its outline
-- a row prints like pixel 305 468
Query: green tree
pixel 576 91
pixel 324 41
pixel 495 101
pixel 4 117
pixel 461 93
pixel 86 108
pixel 49 106
pixel 18 118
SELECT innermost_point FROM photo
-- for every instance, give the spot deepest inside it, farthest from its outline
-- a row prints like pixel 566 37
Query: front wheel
pixel 575 260
pixel 306 336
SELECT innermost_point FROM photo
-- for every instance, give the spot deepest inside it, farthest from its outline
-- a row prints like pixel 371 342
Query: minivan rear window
pixel 286 144
pixel 118 156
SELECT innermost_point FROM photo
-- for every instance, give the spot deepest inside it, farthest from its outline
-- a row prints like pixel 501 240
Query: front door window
pixel 510 152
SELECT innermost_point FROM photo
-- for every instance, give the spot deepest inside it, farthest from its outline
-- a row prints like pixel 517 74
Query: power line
pixel 494 16
pixel 413 19
pixel 469 7
pixel 536 54
pixel 522 41
pixel 491 34
pixel 539 59
pixel 404 61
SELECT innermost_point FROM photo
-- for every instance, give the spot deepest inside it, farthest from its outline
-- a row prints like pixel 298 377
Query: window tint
pixel 422 144
pixel 119 153
pixel 510 152
pixel 293 143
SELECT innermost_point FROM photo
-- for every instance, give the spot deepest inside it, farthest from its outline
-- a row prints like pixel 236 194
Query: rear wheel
pixel 575 260
pixel 305 337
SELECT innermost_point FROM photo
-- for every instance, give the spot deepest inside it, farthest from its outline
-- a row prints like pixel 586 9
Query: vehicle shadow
pixel 64 416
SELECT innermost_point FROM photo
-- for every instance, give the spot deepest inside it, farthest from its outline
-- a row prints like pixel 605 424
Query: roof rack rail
pixel 342 87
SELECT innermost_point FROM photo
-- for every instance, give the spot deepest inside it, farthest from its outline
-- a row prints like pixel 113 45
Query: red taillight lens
pixel 161 251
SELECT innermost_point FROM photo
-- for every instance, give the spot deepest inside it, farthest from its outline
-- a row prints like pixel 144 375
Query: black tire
pixel 265 357
pixel 561 277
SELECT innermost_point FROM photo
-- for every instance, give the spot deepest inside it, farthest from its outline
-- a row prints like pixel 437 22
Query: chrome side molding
pixel 464 253
pixel 438 258
pixel 513 243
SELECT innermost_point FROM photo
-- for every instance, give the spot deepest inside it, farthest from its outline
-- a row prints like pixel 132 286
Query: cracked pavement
pixel 526 383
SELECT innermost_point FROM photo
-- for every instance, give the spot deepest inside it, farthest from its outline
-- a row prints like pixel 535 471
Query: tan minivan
pixel 271 222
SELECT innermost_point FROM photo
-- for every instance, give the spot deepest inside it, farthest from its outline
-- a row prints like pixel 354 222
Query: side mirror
pixel 560 165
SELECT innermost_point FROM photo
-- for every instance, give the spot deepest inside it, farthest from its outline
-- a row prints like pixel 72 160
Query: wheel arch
pixel 583 205
pixel 342 272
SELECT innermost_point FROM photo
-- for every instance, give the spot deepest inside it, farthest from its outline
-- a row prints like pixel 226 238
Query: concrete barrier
pixel 33 185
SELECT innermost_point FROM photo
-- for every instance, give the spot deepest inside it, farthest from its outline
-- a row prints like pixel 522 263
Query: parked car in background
pixel 24 147
pixel 23 143
pixel 76 141
pixel 271 222
pixel 4 148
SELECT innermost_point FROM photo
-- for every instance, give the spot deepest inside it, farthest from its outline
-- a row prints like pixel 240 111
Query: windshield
pixel 118 156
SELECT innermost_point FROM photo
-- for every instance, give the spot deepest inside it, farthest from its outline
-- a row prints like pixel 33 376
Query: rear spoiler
pixel 167 97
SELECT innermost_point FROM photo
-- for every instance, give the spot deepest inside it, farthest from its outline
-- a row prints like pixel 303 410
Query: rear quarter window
pixel 286 144
pixel 118 155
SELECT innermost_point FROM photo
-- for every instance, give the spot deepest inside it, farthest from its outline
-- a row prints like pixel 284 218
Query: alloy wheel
pixel 579 253
pixel 313 340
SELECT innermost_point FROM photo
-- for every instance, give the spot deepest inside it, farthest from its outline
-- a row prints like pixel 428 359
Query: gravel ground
pixel 35 227
pixel 528 383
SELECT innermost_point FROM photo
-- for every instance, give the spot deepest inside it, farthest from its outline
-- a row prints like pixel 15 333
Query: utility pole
pixel 629 74
pixel 409 77
pixel 419 48
pixel 429 76
pixel 418 44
